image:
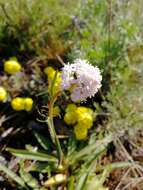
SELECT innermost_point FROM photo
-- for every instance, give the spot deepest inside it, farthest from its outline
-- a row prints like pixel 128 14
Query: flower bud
pixel 3 94
pixel 12 66
pixel 57 179
pixel 28 104
pixel 18 104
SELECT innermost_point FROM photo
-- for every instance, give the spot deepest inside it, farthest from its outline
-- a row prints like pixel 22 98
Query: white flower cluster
pixel 81 78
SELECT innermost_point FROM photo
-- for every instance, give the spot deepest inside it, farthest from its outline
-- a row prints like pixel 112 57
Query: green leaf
pixel 28 178
pixel 71 146
pixel 117 165
pixel 82 181
pixel 94 149
pixel 42 140
pixel 12 175
pixel 71 185
pixel 42 167
pixel 24 154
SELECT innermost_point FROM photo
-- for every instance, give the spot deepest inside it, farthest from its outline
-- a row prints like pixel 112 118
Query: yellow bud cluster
pixel 80 131
pixel 51 74
pixel 20 104
pixel 71 117
pixel 3 94
pixel 12 66
pixel 82 119
pixel 56 111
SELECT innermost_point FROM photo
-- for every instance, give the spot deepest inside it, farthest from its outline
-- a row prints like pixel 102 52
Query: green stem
pixel 52 129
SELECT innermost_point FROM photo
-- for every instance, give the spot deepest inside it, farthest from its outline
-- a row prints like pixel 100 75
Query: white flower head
pixel 83 78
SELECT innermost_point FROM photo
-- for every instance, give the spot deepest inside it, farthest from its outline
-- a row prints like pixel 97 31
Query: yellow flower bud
pixel 18 104
pixel 56 111
pixel 71 108
pixel 56 85
pixel 3 94
pixel 28 104
pixel 80 132
pixel 86 120
pixel 12 66
pixel 50 72
pixel 70 118
pixel 82 110
pixel 85 116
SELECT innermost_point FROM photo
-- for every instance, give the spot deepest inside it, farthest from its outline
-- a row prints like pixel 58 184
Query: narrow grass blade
pixel 12 175
pixel 71 184
pixel 28 178
pixel 82 181
pixel 24 154
pixel 95 148
pixel 42 140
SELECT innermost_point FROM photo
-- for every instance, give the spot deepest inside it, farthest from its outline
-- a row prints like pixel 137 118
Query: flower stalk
pixel 52 131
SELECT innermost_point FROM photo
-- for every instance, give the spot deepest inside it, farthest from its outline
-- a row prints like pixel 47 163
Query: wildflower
pixel 18 104
pixel 71 117
pixel 56 86
pixel 85 116
pixel 82 117
pixel 80 131
pixel 82 79
pixel 51 74
pixel 71 107
pixel 84 110
pixel 3 94
pixel 56 111
pixel 86 121
pixel 12 66
pixel 28 104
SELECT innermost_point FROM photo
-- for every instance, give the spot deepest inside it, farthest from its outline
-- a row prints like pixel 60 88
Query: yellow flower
pixel 57 85
pixel 82 110
pixel 71 108
pixel 18 104
pixel 50 72
pixel 86 120
pixel 3 94
pixel 12 66
pixel 80 132
pixel 56 111
pixel 85 116
pixel 71 117
pixel 28 104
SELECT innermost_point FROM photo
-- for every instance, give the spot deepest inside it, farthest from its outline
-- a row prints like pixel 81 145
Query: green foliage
pixel 12 175
pixel 28 178
pixel 107 34
pixel 32 155
pixel 35 27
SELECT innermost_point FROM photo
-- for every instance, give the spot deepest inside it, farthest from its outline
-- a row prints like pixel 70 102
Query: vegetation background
pixel 108 33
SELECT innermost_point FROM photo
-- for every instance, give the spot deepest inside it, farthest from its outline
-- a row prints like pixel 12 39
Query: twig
pixel 60 60
pixel 124 176
pixel 129 158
